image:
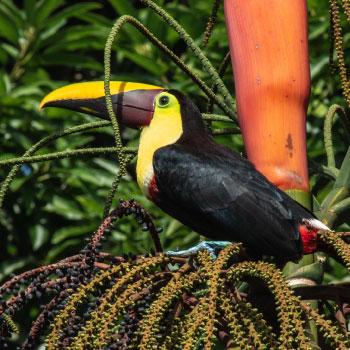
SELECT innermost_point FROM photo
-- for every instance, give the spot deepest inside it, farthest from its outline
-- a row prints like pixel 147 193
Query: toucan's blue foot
pixel 213 247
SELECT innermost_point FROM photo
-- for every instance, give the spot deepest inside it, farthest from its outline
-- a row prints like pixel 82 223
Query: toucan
pixel 203 184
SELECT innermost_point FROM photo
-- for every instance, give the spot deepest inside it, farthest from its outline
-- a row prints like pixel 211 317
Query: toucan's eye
pixel 163 101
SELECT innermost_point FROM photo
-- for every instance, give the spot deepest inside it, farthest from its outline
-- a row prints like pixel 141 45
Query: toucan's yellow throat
pixel 165 129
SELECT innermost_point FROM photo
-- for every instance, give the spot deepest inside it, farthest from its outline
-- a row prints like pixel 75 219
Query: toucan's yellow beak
pixel 133 103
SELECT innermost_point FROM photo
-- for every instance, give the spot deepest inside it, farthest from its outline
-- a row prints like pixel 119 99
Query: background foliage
pixel 52 206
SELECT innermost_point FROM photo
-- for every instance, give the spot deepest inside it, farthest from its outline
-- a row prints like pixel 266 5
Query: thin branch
pixel 65 154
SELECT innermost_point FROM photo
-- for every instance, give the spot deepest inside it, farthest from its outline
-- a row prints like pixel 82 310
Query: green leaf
pixel 95 19
pixel 119 237
pixel 77 37
pixel 14 13
pixel 71 231
pixel 44 9
pixel 155 24
pixel 74 143
pixel 8 28
pixel 339 192
pixel 69 12
pixel 3 56
pixel 11 50
pixel 315 204
pixel 88 35
pixel 343 179
pixel 319 30
pixel 62 248
pixel 111 167
pixel 94 177
pixel 317 68
pixel 29 8
pixel 64 207
pixel 52 30
pixel 124 7
pixel 313 272
pixel 39 236
pixel 70 60
pixel 26 91
pixel 5 84
pixel 156 68
pixel 13 266
pixel 18 183
pixel 90 205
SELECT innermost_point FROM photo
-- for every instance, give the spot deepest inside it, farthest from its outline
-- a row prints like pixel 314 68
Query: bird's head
pixel 135 104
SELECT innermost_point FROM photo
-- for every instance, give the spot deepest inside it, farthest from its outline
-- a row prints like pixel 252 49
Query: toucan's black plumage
pixel 220 194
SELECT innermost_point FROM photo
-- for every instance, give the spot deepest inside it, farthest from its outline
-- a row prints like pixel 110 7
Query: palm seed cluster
pixel 93 300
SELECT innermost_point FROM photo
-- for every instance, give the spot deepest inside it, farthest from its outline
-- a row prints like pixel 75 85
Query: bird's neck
pixel 163 131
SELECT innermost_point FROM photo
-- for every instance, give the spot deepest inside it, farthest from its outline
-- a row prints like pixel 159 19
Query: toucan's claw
pixel 213 247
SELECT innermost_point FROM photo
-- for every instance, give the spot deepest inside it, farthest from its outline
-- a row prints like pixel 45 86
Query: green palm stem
pixel 316 273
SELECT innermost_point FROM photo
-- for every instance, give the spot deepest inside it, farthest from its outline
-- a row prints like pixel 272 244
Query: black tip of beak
pixel 89 106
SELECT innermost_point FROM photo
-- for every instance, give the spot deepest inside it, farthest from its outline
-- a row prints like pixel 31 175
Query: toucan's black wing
pixel 219 194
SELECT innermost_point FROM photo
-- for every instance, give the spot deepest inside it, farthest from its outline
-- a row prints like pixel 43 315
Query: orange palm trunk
pixel 269 52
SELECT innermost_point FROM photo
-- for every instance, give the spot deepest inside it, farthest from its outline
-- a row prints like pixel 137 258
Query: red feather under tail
pixel 309 238
pixel 308 231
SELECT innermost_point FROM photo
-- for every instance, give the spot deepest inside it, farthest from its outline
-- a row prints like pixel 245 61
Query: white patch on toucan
pixel 316 224
pixel 145 181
